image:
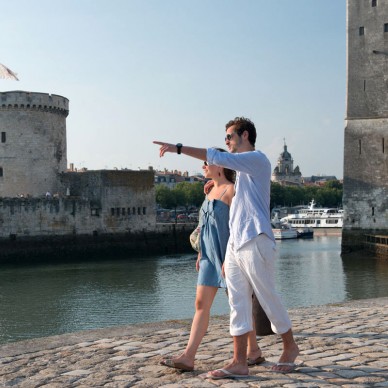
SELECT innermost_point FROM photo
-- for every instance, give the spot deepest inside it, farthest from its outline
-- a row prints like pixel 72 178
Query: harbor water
pixel 43 300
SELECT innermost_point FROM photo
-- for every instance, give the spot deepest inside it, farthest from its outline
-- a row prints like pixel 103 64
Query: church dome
pixel 285 155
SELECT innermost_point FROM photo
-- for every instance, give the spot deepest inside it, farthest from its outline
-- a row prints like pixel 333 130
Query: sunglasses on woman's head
pixel 205 163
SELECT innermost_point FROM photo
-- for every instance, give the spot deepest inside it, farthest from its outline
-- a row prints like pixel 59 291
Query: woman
pixel 214 234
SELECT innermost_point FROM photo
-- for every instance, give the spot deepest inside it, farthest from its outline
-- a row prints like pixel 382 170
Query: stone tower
pixel 32 143
pixel 365 197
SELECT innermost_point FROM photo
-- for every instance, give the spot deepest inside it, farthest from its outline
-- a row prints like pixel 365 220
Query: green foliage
pixel 328 195
pixel 191 194
pixel 183 194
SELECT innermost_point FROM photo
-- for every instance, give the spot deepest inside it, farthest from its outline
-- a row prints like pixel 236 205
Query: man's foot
pixel 286 361
pixel 177 363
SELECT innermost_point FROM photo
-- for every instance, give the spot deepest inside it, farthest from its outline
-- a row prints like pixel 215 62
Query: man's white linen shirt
pixel 250 210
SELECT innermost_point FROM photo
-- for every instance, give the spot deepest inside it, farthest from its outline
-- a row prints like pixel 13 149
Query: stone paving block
pixel 119 358
pixel 370 379
pixel 78 372
pixel 126 348
pixel 350 373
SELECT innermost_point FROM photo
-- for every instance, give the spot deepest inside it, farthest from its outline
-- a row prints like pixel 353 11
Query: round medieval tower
pixel 32 142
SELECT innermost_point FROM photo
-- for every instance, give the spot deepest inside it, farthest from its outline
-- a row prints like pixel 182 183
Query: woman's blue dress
pixel 214 223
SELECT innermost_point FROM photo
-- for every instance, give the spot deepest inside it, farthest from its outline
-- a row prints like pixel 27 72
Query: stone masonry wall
pixel 365 198
pixel 100 202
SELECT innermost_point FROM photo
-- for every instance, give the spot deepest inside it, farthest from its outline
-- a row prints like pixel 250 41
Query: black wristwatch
pixel 179 148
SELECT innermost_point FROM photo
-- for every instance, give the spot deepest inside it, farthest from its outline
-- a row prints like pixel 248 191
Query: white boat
pixel 313 217
pixel 283 230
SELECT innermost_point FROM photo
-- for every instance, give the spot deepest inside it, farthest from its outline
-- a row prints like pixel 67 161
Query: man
pixel 250 256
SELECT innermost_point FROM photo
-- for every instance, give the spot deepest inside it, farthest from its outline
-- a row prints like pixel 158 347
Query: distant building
pixel 285 173
pixel 318 180
pixel 172 178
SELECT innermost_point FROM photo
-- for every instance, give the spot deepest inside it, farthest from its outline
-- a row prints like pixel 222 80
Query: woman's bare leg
pixel 203 302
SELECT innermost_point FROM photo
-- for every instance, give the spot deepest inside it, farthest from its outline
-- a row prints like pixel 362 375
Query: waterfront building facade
pixel 365 198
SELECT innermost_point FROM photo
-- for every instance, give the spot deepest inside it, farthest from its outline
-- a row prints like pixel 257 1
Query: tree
pixel 164 197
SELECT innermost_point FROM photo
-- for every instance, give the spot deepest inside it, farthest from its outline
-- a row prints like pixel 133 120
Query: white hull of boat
pixel 284 234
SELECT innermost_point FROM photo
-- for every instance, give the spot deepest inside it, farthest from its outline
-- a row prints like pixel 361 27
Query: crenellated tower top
pixel 43 102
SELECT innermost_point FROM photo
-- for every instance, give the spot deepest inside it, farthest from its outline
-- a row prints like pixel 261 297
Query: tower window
pixel 1 171
pixel 374 3
pixel 361 31
pixel 383 145
pixel 385 27
pixel 3 137
pixel 359 146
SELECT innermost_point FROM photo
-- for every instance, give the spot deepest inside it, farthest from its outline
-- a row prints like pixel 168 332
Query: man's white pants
pixel 251 269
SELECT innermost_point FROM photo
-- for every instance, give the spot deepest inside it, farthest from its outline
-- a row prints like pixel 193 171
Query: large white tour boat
pixel 313 217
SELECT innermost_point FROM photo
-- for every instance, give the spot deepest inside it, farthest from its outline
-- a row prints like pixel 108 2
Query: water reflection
pixel 310 272
pixel 37 301
pixel 366 278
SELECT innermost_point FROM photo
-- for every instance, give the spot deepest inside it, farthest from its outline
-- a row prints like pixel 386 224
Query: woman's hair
pixel 230 175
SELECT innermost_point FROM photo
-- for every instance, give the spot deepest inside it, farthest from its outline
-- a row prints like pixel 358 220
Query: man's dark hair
pixel 243 124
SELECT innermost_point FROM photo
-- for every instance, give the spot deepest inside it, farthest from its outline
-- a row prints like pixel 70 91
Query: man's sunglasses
pixel 229 136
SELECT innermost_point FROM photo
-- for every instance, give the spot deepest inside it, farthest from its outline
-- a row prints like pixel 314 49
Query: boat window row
pixel 309 222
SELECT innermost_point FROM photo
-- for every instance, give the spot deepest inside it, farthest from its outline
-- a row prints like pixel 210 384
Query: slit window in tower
pixel 359 146
pixel 383 145
pixel 361 31
pixel 373 211
pixel 1 171
pixel 385 27
pixel 374 3
pixel 3 137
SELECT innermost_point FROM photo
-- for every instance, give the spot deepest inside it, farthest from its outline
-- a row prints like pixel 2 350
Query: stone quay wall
pixel 164 239
pixel 107 212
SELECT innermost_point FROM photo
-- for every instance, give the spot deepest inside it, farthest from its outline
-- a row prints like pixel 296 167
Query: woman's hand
pixel 223 270
pixel 165 147
pixel 197 263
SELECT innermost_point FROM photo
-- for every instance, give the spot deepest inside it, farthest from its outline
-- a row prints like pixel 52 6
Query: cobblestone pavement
pixel 341 345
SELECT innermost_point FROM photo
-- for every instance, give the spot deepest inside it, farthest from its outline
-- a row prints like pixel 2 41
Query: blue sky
pixel 177 70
